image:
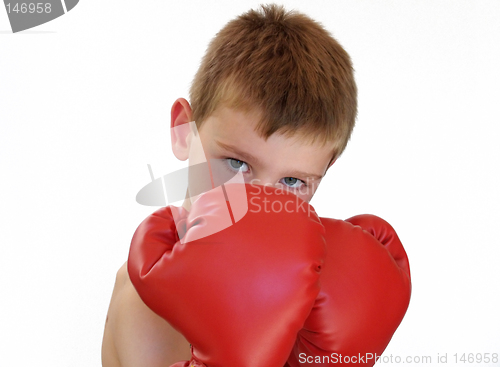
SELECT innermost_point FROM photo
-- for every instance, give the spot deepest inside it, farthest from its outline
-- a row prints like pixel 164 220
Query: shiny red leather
pixel 365 292
pixel 241 295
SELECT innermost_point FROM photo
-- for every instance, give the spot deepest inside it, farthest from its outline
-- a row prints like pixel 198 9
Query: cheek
pixel 308 192
pixel 221 173
pixel 305 195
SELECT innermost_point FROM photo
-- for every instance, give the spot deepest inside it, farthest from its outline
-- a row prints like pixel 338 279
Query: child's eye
pixel 237 165
pixel 293 182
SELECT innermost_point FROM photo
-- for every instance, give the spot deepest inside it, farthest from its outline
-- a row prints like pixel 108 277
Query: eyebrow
pixel 247 157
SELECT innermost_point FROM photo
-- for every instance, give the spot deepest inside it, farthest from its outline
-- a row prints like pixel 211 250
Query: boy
pixel 274 99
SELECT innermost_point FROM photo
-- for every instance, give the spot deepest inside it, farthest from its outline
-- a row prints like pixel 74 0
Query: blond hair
pixel 286 65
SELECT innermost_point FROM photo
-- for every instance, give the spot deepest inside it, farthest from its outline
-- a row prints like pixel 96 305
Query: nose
pixel 263 180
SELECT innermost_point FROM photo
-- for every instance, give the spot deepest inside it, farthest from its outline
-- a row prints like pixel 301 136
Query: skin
pixel 134 336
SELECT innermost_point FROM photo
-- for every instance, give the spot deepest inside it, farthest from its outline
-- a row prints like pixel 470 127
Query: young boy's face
pixel 229 140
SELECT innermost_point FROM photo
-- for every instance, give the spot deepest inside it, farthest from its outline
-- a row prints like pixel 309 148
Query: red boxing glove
pixel 241 295
pixel 365 291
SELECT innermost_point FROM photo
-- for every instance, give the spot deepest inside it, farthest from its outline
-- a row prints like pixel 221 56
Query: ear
pixel 180 116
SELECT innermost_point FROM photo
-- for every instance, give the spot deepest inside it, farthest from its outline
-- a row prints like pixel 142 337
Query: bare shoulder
pixel 134 335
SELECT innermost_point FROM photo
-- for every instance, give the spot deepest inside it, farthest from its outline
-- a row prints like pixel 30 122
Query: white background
pixel 84 107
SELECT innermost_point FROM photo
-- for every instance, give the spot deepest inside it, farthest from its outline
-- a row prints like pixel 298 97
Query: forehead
pixel 229 127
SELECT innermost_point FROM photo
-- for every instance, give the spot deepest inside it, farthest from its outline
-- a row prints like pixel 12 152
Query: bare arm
pixel 134 336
